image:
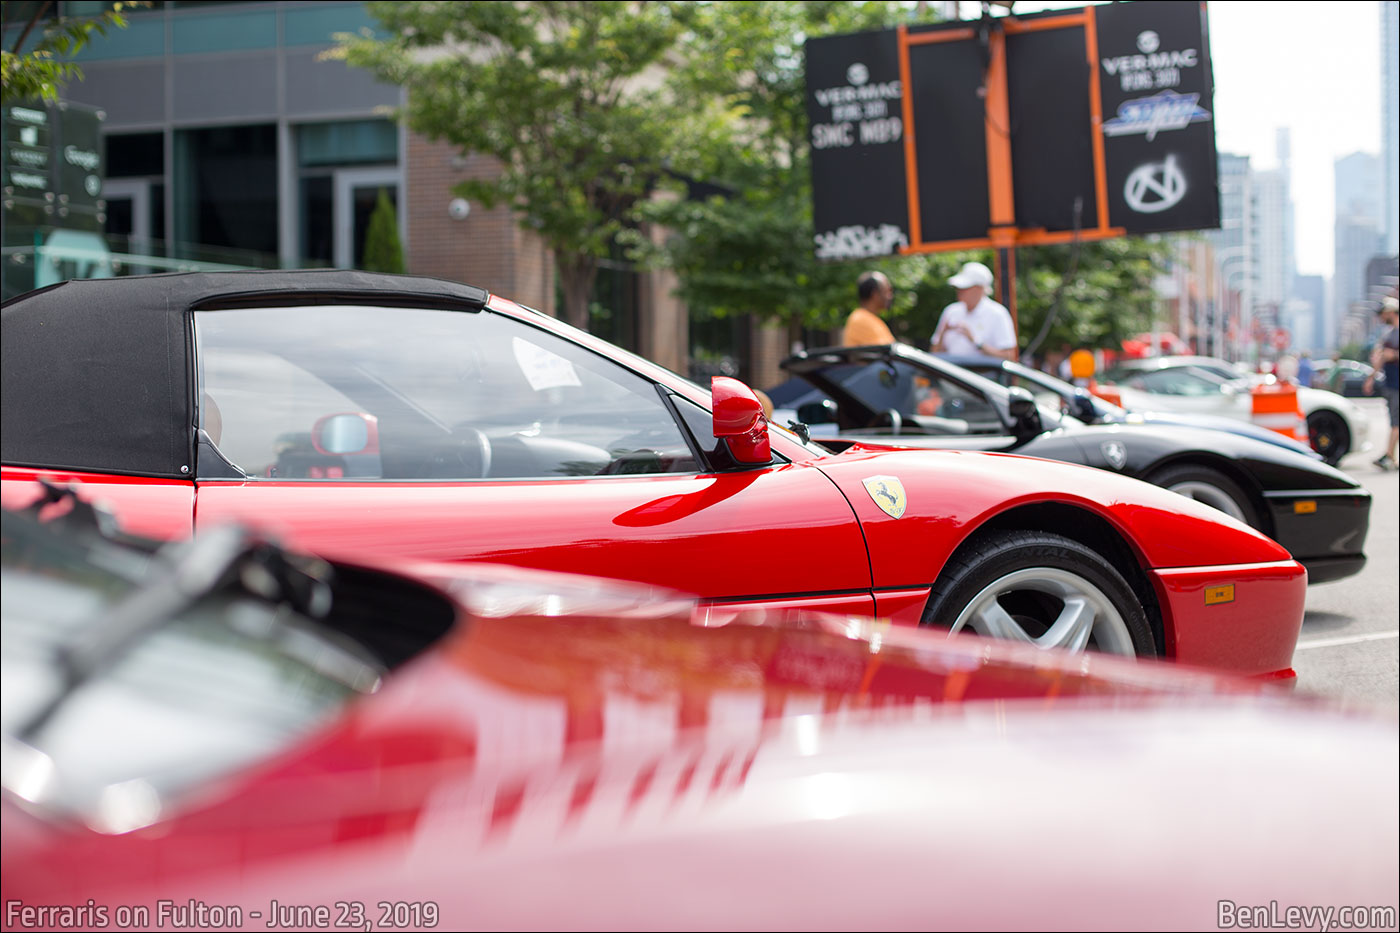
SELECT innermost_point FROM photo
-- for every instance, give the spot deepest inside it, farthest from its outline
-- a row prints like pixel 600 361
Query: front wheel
pixel 1328 433
pixel 1043 589
pixel 1210 486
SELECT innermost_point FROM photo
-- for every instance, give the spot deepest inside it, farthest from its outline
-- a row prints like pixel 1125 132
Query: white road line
pixel 1350 640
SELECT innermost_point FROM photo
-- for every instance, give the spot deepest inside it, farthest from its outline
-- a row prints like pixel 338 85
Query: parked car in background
pixel 1079 403
pixel 896 395
pixel 428 420
pixel 1346 377
pixel 230 735
pixel 1336 427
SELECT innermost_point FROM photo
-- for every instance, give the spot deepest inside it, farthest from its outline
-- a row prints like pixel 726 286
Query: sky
pixel 1312 67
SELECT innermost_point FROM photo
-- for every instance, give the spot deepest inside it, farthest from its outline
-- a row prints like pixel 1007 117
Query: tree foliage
pixel 591 107
pixel 1105 293
pixel 1109 298
pixel 42 71
pixel 574 99
pixel 383 249
pixel 745 246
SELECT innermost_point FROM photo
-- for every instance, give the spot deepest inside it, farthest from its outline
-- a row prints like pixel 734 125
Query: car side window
pixel 364 393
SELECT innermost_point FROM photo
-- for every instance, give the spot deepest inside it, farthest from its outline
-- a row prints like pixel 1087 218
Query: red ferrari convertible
pixel 424 419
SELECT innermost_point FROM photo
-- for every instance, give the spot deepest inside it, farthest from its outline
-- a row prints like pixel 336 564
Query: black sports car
pixel 897 395
pixel 1080 404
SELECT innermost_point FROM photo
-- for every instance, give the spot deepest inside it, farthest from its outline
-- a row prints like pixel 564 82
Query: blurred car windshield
pixel 937 403
pixel 198 696
pixel 1177 380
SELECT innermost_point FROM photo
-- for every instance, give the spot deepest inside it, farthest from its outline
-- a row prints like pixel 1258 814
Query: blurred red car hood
pixel 549 766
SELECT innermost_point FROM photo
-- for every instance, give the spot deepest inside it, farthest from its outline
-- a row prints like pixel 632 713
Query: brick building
pixel 229 140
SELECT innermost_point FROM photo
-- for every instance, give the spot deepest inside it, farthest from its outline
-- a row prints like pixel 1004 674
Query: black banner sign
pixel 1158 116
pixel 854 111
pixel 1151 162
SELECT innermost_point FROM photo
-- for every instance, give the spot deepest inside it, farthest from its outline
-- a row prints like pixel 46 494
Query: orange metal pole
pixel 949 35
pixel 1038 25
pixel 911 173
pixel 1091 49
pixel 1000 193
pixel 1009 290
pixel 1000 188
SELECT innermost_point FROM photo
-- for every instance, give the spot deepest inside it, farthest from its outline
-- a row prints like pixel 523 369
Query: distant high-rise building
pixel 1273 202
pixel 1310 325
pixel 1236 243
pixel 1254 245
pixel 1273 224
pixel 1234 181
pixel 1359 187
pixel 1390 120
pixel 1358 232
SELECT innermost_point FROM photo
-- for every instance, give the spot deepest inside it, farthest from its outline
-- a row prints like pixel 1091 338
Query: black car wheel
pixel 1210 486
pixel 1329 435
pixel 1043 589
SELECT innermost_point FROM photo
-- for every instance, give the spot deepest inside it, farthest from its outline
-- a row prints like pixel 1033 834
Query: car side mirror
pixel 1025 416
pixel 348 433
pixel 739 422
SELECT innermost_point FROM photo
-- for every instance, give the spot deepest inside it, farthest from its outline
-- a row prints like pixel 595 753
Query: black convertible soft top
pixel 98 373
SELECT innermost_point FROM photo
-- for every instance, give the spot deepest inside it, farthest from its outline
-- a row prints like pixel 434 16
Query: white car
pixel 1336 426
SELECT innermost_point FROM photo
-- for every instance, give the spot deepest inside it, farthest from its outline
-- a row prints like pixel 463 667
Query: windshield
pixel 425 394
pixel 1170 380
pixel 926 400
pixel 200 696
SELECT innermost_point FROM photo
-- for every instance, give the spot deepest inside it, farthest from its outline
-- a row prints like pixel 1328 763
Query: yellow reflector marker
pixel 1215 595
pixel 1304 507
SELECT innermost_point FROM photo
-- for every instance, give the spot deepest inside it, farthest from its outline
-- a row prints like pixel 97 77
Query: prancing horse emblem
pixel 1115 453
pixel 888 493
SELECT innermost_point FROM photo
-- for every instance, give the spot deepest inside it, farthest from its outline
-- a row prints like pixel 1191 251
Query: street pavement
pixel 1349 648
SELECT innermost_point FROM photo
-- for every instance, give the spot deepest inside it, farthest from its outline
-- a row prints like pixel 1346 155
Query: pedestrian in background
pixel 1305 370
pixel 865 326
pixel 975 324
pixel 1385 359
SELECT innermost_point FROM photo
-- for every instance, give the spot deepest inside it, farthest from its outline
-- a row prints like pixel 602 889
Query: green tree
pixel 1105 293
pixel 43 70
pixel 383 250
pixel 1101 292
pixel 747 247
pixel 572 98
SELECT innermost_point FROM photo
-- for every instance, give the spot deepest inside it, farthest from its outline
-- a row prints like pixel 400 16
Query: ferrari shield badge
pixel 888 493
pixel 1116 454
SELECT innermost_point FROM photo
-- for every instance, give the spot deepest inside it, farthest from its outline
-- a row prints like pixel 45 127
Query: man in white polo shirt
pixel 975 324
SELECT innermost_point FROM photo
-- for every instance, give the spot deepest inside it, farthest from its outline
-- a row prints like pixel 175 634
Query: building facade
pixel 1358 235
pixel 1390 120
pixel 231 140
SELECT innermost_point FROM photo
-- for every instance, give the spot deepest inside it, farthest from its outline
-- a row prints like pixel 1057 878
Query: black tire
pixel 1329 436
pixel 1210 486
pixel 1034 580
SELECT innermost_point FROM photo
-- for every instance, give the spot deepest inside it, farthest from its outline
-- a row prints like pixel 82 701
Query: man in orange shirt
pixel 864 326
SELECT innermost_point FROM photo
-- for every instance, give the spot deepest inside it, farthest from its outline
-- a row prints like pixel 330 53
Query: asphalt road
pixel 1349 649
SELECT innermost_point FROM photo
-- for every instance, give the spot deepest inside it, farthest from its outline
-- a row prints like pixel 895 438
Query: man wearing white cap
pixel 975 324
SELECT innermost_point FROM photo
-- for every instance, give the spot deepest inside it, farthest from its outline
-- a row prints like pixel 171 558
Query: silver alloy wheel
pixel 1211 495
pixel 1086 613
